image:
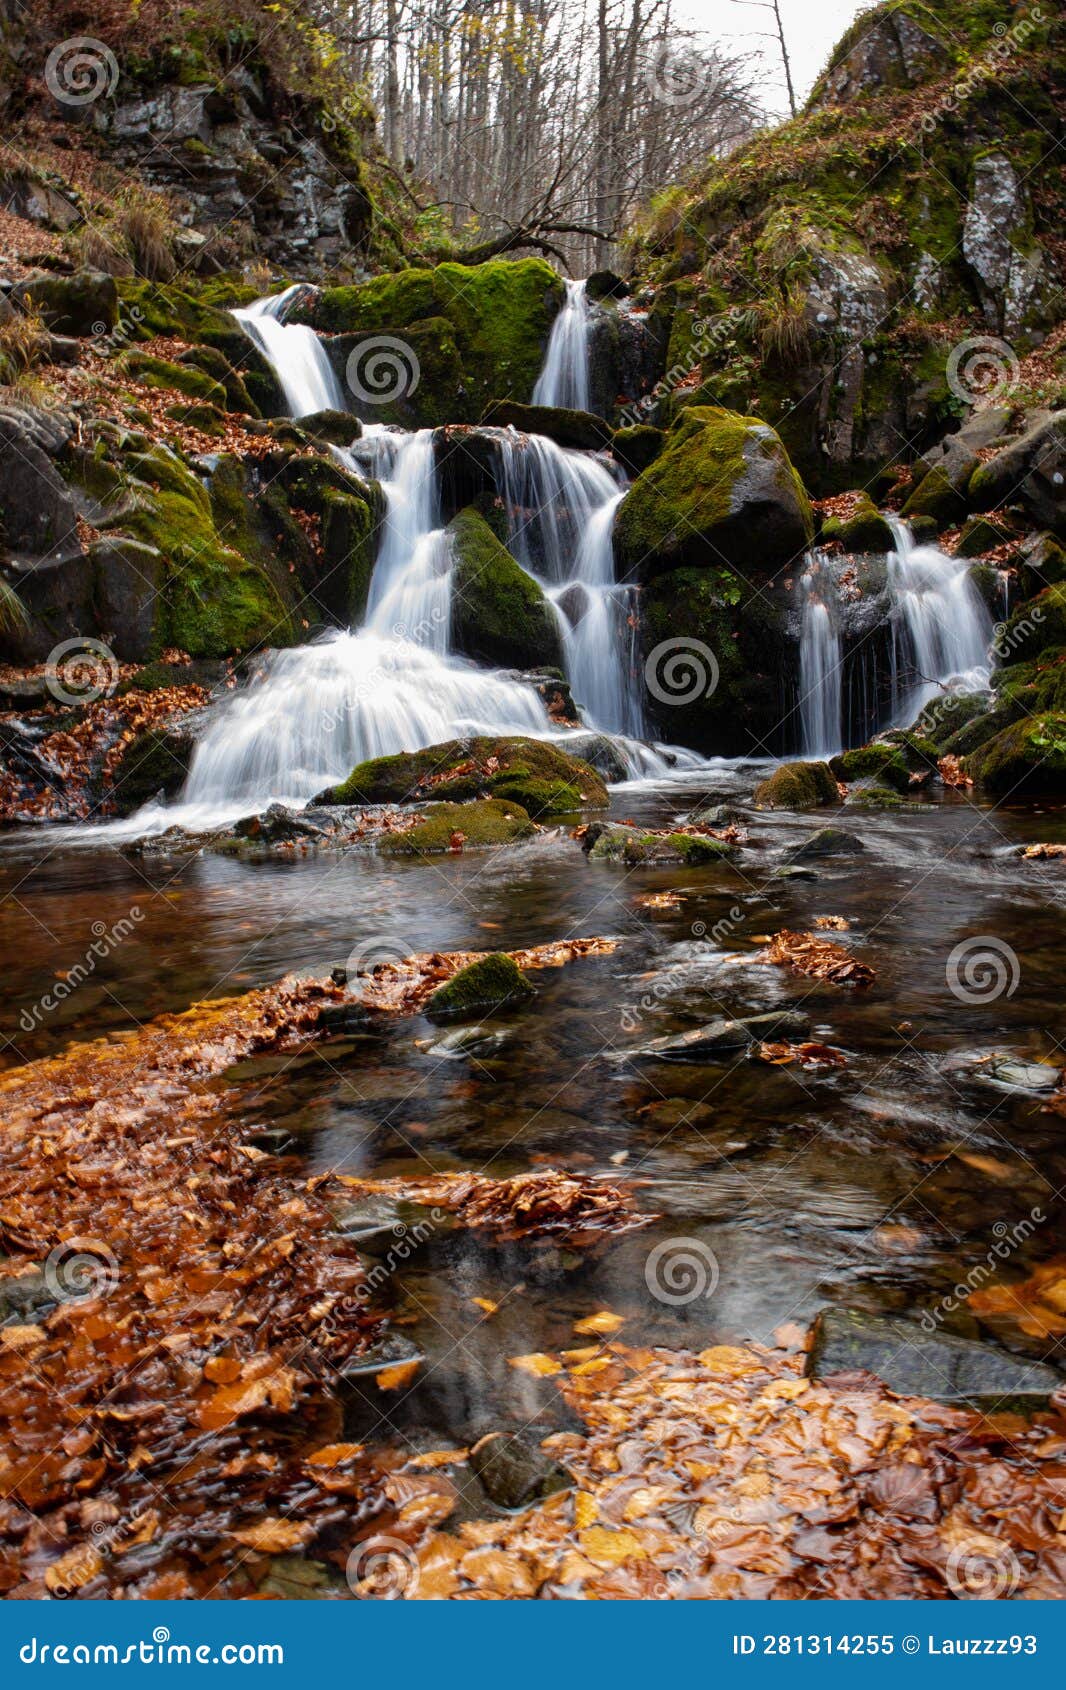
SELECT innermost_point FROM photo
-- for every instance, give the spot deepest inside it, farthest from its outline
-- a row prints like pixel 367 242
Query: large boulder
pixel 578 429
pixel 797 786
pixel 499 614
pixel 722 493
pixel 528 772
pixel 1032 469
pixel 1025 760
pixel 83 304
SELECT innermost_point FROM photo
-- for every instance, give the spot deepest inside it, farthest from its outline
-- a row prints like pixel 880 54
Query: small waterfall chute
pixel 821 666
pixel 564 380
pixel 941 626
pixel 294 352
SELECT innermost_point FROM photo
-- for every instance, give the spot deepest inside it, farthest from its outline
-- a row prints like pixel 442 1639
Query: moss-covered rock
pixel 944 716
pixel 489 983
pixel 797 786
pixel 154 763
pixel 477 333
pixel 160 372
pixel 1035 625
pixel 216 365
pixel 1027 759
pixel 863 530
pixel 619 842
pixel 871 794
pixel 577 429
pixel 213 601
pixel 884 763
pixel 83 304
pixel 448 827
pixel 637 446
pixel 980 535
pixel 499 615
pixel 722 492
pixel 936 497
pixel 531 773
pixel 1037 686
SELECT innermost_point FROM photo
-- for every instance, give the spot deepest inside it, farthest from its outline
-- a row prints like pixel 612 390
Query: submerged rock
pixel 1019 1076
pixel 828 842
pixel 915 1362
pixel 719 1036
pixel 489 983
pixel 515 1471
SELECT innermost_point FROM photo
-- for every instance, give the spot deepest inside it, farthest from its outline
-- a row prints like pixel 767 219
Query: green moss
pixel 214 364
pixel 637 446
pixel 797 786
pixel 979 535
pixel 1026 759
pixel 489 983
pixel 214 602
pixel 884 763
pixel 936 497
pixel 1035 625
pixel 156 761
pixel 479 333
pixel 483 821
pixel 621 843
pixel 945 716
pixel 499 614
pixel 865 530
pixel 1037 686
pixel 528 772
pixel 721 491
pixel 158 372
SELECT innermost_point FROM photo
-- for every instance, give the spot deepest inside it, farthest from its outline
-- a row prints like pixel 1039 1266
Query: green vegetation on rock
pixel 863 530
pixel 884 763
pixel 797 786
pixel 481 821
pixel 499 615
pixel 532 773
pixel 488 983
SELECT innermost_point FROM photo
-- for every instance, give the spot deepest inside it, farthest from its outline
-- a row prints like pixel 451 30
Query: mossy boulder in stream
pixel 864 529
pixel 797 786
pixel 155 763
pixel 578 429
pixel 1025 760
pixel 884 763
pixel 451 827
pixel 620 842
pixel 488 983
pixel 721 492
pixel 532 773
pixel 499 615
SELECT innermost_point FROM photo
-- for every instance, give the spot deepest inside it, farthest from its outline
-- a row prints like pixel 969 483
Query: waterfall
pixel 295 353
pixel 941 627
pixel 821 666
pixel 410 590
pixel 564 380
pixel 561 507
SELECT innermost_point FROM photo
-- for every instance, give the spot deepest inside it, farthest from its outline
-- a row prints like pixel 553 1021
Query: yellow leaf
pixel 394 1378
pixel 22 1338
pixel 486 1304
pixel 586 1509
pixel 596 1365
pixel 610 1549
pixel 331 1455
pixel 728 1359
pixel 538 1365
pixel 603 1323
pixel 75 1568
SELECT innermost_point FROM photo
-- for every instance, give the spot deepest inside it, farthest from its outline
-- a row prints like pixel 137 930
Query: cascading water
pixel 561 508
pixel 564 380
pixel 821 665
pixel 941 627
pixel 940 632
pixel 295 353
pixel 315 711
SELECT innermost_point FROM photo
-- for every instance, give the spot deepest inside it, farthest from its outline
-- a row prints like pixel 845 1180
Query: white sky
pixel 812 29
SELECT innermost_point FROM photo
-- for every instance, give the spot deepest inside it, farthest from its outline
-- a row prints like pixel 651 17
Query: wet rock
pixel 828 842
pixel 83 304
pixel 915 1362
pixel 790 871
pixel 1031 468
pixel 339 428
pixel 515 1471
pixel 277 824
pixel 721 1036
pixel 719 815
pixel 578 429
pixel 470 1041
pixel 1018 1076
pixel 539 777
pixel 381 1225
pixel 489 983
pixel 393 1350
pixel 618 842
pixel 25 1298
pixel 601 754
pixel 154 764
pixel 797 786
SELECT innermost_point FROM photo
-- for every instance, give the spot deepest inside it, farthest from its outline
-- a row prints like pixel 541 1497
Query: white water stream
pixel 564 380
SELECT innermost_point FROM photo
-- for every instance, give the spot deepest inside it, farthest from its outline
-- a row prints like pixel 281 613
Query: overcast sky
pixel 812 28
